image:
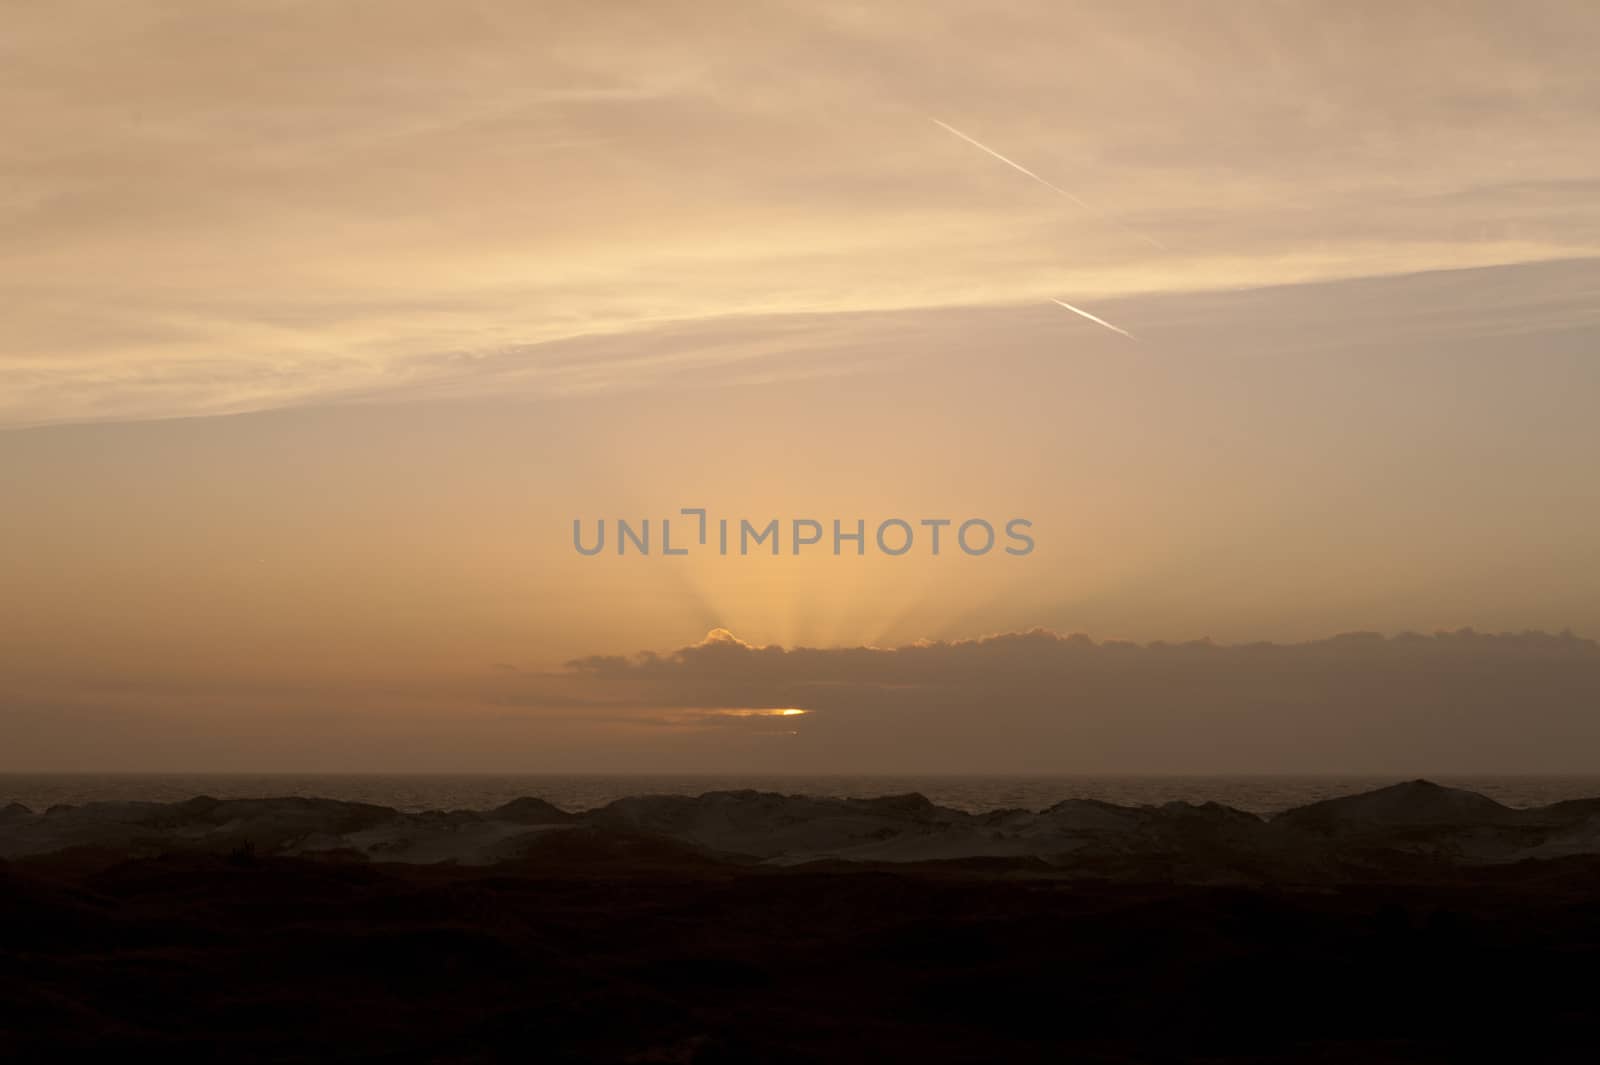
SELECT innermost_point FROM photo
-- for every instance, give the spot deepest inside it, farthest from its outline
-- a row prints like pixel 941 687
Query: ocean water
pixel 412 792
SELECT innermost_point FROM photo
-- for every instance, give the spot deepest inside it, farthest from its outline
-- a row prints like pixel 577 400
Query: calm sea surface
pixel 1260 794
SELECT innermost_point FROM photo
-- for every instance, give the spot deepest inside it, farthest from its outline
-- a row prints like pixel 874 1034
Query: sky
pixel 325 321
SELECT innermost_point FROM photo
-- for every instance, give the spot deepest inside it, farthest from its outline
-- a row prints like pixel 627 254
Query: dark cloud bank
pixel 1039 701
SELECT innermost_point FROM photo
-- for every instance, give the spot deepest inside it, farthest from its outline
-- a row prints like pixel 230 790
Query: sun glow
pixel 787 711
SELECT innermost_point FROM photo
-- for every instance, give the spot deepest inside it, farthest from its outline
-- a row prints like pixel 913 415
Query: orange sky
pixel 324 321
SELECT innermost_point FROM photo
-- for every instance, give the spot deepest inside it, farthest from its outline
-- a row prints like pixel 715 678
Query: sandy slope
pixel 1405 823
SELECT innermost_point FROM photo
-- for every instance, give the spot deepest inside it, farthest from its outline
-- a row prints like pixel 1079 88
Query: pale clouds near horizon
pixel 219 207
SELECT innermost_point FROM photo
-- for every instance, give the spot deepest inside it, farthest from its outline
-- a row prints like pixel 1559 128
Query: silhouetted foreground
pixel 612 944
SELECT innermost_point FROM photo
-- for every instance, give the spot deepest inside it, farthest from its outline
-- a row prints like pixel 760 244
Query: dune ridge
pixel 1409 825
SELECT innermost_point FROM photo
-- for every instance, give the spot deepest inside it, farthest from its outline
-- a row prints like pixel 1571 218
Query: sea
pixel 438 791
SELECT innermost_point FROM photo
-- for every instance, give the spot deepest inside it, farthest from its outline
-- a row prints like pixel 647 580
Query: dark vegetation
pixel 651 954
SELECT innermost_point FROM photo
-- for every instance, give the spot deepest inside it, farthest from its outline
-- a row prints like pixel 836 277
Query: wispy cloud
pixel 191 227
pixel 1052 186
pixel 1092 318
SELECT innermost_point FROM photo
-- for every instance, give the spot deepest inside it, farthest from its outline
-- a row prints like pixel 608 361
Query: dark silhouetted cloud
pixel 1039 701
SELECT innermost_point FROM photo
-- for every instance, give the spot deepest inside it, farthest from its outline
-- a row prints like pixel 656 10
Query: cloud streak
pixel 196 225
pixel 1052 186
pixel 1092 318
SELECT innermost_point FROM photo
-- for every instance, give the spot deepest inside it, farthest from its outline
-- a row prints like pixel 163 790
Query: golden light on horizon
pixel 514 272
pixel 786 711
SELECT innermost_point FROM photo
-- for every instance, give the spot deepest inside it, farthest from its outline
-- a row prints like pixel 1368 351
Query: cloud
pixel 1041 701
pixel 1024 702
pixel 229 206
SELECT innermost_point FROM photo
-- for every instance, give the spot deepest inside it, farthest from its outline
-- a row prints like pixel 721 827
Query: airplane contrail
pixel 1092 318
pixel 1013 164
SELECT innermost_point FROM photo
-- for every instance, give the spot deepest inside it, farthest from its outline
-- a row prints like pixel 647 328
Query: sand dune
pixel 1407 823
